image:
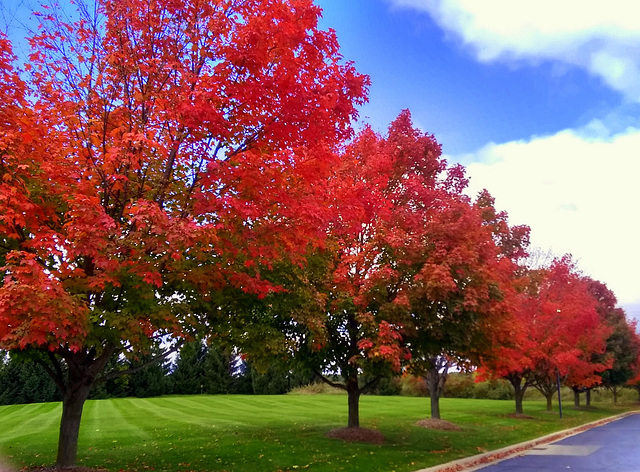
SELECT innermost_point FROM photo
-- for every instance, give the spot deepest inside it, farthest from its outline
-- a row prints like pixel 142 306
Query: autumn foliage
pixel 557 333
pixel 410 266
pixel 157 152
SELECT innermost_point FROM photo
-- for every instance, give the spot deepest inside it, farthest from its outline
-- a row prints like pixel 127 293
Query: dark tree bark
pixel 547 385
pixel 549 398
pixel 588 397
pixel 436 378
pixel 83 368
pixel 72 406
pixel 353 393
pixel 434 394
pixel 576 397
pixel 519 389
pixel 435 407
pixel 519 397
pixel 352 386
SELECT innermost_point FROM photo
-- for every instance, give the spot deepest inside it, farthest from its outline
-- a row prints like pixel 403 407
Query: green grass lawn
pixel 272 433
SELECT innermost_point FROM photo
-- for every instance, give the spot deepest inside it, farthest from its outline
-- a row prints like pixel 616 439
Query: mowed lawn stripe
pixel 270 409
pixel 13 416
pixel 33 419
pixel 262 410
pixel 33 440
pixel 109 419
pixel 216 412
pixel 236 410
pixel 174 409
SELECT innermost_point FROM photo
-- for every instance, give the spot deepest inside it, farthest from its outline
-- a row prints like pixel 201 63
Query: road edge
pixel 478 461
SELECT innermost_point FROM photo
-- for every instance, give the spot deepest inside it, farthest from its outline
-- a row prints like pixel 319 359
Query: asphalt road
pixel 612 447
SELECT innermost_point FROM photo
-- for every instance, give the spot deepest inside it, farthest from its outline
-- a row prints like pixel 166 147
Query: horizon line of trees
pixel 204 369
pixel 199 368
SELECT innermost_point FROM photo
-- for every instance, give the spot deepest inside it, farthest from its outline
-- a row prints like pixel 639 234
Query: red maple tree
pixel 159 151
pixel 557 332
pixel 623 343
pixel 404 244
pixel 465 306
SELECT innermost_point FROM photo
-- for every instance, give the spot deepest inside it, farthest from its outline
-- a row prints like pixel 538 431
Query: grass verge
pixel 274 433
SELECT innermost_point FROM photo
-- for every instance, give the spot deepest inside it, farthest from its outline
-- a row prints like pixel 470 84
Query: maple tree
pixel 343 313
pixel 557 334
pixel 459 322
pixel 383 195
pixel 402 237
pixel 159 150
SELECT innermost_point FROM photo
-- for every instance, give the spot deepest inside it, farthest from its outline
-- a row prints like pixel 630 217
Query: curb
pixel 478 461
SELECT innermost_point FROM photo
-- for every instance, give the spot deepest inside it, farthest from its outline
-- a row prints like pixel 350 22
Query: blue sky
pixel 414 63
pixel 540 100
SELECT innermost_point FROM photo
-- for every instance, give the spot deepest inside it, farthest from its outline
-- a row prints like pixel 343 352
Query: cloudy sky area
pixel 540 100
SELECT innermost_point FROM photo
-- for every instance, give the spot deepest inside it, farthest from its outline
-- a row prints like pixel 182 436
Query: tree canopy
pixel 154 152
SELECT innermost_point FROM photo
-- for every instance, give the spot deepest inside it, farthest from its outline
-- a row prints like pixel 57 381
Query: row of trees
pixel 567 328
pixel 184 169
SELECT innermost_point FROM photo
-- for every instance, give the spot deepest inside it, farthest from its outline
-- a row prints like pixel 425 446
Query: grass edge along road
pixel 271 433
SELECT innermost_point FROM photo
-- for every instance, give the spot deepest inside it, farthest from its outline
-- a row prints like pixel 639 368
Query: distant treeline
pixel 209 369
pixel 198 368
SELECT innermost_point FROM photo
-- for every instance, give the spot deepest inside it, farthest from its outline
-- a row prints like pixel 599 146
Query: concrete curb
pixel 472 463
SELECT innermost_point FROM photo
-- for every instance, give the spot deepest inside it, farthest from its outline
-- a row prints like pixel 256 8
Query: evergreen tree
pixel 188 375
pixel 23 381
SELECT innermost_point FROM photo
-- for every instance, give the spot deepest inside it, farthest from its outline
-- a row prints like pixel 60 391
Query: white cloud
pixel 579 194
pixel 600 37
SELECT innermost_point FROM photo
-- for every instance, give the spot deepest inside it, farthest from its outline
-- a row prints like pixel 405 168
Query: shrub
pixel 412 386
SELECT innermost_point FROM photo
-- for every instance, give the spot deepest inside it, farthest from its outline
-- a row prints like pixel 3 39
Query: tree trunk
pixel 519 390
pixel 435 406
pixel 353 394
pixel 615 394
pixel 588 397
pixel 576 398
pixel 82 369
pixel 72 406
pixel 549 402
pixel 519 396
pixel 434 392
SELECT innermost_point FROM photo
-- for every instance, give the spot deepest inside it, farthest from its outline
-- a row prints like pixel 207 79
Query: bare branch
pixel 133 370
pixel 53 370
pixel 329 382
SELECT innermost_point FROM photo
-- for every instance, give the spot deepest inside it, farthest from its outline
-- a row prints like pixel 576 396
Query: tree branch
pixel 54 371
pixel 133 370
pixel 329 382
pixel 371 384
